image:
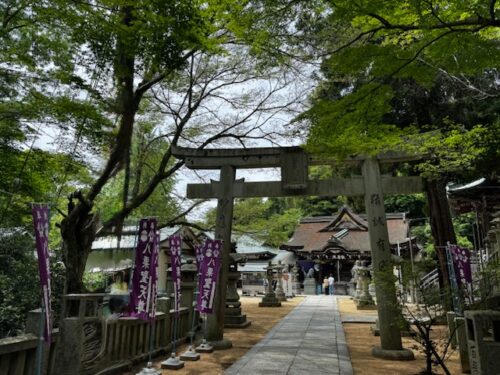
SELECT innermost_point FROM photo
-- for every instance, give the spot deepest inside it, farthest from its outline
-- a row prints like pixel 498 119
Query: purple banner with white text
pixel 175 266
pixel 143 294
pixel 154 277
pixel 461 263
pixel 198 251
pixel 41 223
pixel 208 275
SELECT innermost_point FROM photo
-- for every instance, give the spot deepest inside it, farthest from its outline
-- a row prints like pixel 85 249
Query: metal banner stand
pixel 149 369
pixel 204 347
pixel 191 354
pixel 456 289
pixel 173 363
pixel 39 349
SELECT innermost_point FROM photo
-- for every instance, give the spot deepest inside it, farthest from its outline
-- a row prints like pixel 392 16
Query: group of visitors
pixel 328 285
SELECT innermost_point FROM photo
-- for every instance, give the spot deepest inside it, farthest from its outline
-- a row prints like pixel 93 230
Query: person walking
pixel 331 280
pixel 325 286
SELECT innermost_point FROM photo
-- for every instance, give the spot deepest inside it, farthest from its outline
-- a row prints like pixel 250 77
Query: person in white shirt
pixel 331 280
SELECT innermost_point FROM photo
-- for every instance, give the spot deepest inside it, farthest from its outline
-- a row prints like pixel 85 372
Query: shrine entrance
pixel 294 163
pixel 336 242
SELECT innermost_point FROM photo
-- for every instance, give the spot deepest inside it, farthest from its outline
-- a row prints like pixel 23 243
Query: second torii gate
pixel 294 163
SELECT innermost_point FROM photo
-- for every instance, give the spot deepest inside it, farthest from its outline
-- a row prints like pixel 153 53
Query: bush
pixel 94 282
pixel 19 282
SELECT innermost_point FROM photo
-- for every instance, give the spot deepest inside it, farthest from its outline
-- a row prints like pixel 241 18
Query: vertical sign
pixel 461 263
pixel 144 280
pixel 175 266
pixel 41 222
pixel 154 277
pixel 208 273
pixel 198 251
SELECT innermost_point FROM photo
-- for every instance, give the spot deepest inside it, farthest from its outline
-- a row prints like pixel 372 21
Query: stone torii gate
pixel 294 163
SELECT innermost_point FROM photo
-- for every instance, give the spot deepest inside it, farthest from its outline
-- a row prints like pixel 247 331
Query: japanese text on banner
pixel 461 264
pixel 175 264
pixel 208 275
pixel 143 295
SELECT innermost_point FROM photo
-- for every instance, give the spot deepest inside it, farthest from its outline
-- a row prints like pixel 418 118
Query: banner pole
pixel 151 337
pixel 174 333
pixel 175 241
pixel 39 349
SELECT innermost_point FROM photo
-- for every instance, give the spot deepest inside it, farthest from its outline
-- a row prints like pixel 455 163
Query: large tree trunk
pixel 79 228
pixel 78 231
pixel 441 226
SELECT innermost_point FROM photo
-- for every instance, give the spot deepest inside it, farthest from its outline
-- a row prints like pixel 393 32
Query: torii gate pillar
pixel 223 227
pixel 389 315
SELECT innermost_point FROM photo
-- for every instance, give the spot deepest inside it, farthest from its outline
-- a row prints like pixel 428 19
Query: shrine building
pixel 336 242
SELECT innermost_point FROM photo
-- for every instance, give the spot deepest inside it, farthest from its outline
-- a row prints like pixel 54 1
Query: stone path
pixel 310 340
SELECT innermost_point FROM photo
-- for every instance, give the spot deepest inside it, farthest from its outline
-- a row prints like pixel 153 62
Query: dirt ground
pixel 360 340
pixel 262 318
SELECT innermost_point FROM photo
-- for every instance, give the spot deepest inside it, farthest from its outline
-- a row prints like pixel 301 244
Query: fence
pixel 100 345
pixel 484 286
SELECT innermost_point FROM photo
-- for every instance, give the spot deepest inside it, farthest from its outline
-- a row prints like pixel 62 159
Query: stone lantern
pixel 233 317
pixel 280 294
pixel 364 300
pixel 270 300
pixel 295 280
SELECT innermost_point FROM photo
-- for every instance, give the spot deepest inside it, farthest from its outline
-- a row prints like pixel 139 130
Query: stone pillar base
pixel 221 344
pixel 236 321
pixel 281 297
pixel 270 304
pixel 393 355
pixel 269 300
pixel 204 347
pixel 173 363
pixel 190 355
pixel 364 304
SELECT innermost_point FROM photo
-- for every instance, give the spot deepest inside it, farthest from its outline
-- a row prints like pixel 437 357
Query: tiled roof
pixel 246 244
pixel 318 233
pixel 128 239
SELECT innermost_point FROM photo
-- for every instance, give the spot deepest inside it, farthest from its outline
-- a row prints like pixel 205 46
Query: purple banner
pixel 208 275
pixel 198 251
pixel 154 278
pixel 41 223
pixel 143 295
pixel 175 266
pixel 461 263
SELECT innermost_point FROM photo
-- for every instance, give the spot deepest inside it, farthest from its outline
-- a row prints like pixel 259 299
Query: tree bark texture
pixel 441 226
pixel 78 231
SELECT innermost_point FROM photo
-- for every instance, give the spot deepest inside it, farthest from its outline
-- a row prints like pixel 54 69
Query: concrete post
pixel 450 319
pixel 387 305
pixel 225 203
pixel 463 347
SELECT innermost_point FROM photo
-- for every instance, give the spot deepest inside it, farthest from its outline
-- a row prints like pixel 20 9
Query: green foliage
pixel 413 204
pixel 462 225
pixel 19 286
pixel 352 124
pixel 35 176
pixel 259 218
pixel 19 282
pixel 147 153
pixel 95 281
pixel 398 73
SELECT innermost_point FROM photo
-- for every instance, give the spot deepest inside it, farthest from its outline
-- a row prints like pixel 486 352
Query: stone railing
pixel 88 343
pixel 18 355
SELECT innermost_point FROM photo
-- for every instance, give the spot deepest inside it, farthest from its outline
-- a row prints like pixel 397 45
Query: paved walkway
pixel 310 340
